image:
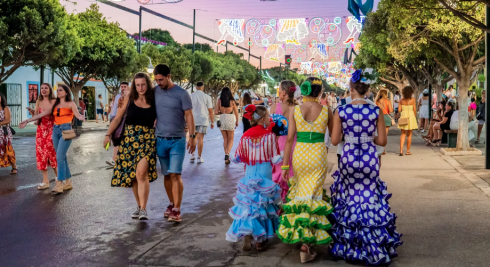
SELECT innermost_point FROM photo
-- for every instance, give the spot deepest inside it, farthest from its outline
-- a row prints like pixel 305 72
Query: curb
pixel 473 178
pixel 33 134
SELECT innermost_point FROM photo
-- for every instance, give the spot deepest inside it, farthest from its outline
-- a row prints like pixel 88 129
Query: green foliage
pixel 123 70
pixel 160 36
pixel 33 32
pixel 102 44
pixel 199 47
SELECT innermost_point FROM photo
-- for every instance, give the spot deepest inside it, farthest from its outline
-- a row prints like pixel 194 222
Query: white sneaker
pixel 200 160
pixel 193 157
pixel 423 131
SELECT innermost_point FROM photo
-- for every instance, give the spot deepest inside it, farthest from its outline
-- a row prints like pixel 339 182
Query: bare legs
pixel 114 153
pixel 480 128
pixel 175 188
pixel 405 134
pixel 141 186
pixel 384 150
pixel 228 137
pixel 45 175
pixel 200 143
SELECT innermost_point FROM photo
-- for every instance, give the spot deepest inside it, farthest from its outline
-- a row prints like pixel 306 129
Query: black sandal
pixel 227 159
pixel 12 171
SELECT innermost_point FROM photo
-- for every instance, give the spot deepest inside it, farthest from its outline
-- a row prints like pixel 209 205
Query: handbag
pixel 68 134
pixel 117 135
pixel 403 121
pixel 218 123
pixel 12 130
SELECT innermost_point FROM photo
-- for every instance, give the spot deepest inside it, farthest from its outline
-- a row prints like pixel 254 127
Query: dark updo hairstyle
pixel 247 100
pixel 316 89
pixel 407 92
pixel 361 88
pixel 261 111
pixel 452 104
pixel 289 87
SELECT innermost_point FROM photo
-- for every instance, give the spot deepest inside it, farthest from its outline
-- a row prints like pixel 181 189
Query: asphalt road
pixel 442 214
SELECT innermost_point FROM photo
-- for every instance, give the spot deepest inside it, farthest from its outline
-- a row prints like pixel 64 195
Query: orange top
pixel 62 115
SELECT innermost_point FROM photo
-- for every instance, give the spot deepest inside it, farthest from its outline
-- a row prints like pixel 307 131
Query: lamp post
pixel 150 67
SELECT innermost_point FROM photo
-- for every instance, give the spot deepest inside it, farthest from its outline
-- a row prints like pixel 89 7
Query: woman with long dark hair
pixel 64 109
pixel 7 153
pixel 445 123
pixel 45 152
pixel 246 100
pixel 136 160
pixel 228 112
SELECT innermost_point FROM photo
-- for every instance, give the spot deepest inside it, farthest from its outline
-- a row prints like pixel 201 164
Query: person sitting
pixel 471 123
pixel 437 117
pixel 445 123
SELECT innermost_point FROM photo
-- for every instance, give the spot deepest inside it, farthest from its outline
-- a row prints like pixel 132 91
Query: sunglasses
pixel 58 112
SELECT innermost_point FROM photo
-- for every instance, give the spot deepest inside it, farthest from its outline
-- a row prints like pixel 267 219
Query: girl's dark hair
pixel 407 92
pixel 226 97
pixel 324 95
pixel 316 89
pixel 287 87
pixel 4 101
pixel 361 88
pixel 425 94
pixel 452 104
pixel 247 100
pixel 149 95
pixel 261 111
pixel 67 96
pixel 51 93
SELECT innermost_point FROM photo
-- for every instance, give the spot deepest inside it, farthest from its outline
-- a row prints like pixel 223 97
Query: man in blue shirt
pixel 174 109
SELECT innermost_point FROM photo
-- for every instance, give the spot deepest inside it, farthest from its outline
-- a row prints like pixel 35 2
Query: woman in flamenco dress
pixel 363 227
pixel 286 95
pixel 256 211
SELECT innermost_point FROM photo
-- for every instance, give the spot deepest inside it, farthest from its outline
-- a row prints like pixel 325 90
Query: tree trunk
pixel 438 89
pixel 75 90
pixel 463 142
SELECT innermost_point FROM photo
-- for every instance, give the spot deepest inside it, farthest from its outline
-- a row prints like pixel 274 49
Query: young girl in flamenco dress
pixel 255 213
pixel 363 228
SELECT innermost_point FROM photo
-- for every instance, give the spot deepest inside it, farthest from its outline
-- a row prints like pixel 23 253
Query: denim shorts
pixel 171 154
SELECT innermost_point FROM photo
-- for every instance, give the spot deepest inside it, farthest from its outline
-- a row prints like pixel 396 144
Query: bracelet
pixel 285 167
pixel 108 135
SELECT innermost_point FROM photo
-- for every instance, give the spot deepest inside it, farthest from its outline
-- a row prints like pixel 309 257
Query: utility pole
pixel 194 34
pixel 248 50
pixel 42 74
pixel 260 64
pixel 487 82
pixel 226 45
pixel 139 41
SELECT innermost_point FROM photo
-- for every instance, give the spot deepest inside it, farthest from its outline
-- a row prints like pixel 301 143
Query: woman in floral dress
pixel 363 227
pixel 45 152
pixel 284 108
pixel 7 153
pixel 305 213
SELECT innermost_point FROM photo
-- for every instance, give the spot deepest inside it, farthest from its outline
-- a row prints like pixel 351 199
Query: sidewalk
pixel 30 129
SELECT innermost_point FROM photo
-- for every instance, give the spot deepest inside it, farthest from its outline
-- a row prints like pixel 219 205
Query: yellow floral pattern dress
pixel 305 213
pixel 139 142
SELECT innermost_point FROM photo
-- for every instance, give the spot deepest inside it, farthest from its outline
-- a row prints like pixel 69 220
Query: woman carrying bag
pixel 407 122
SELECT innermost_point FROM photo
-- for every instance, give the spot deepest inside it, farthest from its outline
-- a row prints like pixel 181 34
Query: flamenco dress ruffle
pixel 363 229
pixel 256 210
pixel 305 220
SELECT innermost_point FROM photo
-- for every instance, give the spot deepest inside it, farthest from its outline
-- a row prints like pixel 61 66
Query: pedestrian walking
pixel 228 118
pixel 174 109
pixel 255 213
pixel 363 228
pixel 323 99
pixel 481 115
pixel 384 104
pixel 246 100
pixel 424 110
pixel 407 121
pixel 305 214
pixel 7 153
pixel 135 165
pixel 45 151
pixel 115 105
pixel 202 109
pixel 99 106
pixel 106 112
pixel 396 102
pixel 284 107
pixel 64 109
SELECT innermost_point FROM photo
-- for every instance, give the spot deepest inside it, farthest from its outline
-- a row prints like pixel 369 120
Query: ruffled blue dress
pixel 256 210
pixel 363 227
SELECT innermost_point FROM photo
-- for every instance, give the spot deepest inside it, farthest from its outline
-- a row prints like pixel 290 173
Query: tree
pixel 159 35
pixel 101 46
pixel 202 69
pixel 199 47
pixel 419 31
pixel 123 70
pixel 33 33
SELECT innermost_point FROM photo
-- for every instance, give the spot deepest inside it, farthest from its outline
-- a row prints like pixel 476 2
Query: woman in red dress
pixel 45 152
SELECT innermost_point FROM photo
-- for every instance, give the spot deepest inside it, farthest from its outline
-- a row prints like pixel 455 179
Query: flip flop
pixel 12 171
pixel 408 153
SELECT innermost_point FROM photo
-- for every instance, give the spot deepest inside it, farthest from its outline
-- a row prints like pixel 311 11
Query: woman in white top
pixel 424 110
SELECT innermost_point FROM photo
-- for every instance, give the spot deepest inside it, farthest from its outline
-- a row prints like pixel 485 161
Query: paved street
pixel 441 202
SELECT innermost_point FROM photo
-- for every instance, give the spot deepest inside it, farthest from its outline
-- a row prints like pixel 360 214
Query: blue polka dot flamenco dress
pixel 363 227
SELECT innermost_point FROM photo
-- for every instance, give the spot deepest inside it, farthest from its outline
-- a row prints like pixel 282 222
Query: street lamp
pixel 150 67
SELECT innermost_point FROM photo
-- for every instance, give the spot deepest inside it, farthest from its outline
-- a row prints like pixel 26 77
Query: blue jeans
pixel 61 146
pixel 171 154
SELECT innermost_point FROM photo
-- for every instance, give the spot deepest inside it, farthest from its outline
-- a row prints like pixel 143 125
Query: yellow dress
pixel 407 112
pixel 305 213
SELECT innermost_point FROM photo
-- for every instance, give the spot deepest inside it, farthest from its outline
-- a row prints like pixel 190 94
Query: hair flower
pixel 356 76
pixel 306 88
pixel 292 89
pixel 249 108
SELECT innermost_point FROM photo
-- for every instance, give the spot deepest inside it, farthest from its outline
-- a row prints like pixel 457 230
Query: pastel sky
pixel 208 12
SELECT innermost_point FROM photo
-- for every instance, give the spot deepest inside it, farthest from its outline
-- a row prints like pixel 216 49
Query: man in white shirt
pixel 124 90
pixel 202 109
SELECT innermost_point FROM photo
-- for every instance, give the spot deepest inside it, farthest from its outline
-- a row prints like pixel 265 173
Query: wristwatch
pixel 192 136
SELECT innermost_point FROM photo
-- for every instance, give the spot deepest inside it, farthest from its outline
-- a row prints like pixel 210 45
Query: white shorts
pixel 228 122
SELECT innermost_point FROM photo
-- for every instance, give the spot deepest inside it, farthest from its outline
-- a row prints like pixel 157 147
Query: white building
pixel 16 89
